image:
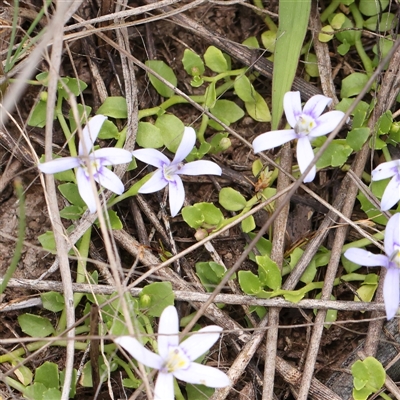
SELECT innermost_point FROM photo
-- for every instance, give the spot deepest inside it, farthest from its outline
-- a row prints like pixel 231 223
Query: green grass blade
pixel 293 22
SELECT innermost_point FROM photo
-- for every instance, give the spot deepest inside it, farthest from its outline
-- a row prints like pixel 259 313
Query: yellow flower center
pixel 176 360
pixel 304 125
pixel 395 257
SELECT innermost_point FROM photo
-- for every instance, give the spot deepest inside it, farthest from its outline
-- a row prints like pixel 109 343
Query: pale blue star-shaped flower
pixel 168 171
pixel 98 159
pixel 307 124
pixel 391 261
pixel 391 194
pixel 176 360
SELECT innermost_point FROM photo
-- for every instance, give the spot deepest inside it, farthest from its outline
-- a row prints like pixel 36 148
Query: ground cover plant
pixel 193 195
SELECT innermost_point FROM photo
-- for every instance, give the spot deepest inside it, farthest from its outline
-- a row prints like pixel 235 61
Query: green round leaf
pixel 268 39
pixel 231 199
pixel 249 283
pixel 159 294
pixel 192 63
pixel 149 136
pixel 108 131
pixel 370 8
pixel 268 272
pixel 171 129
pixel 258 109
pixel 52 301
pixel 114 107
pixel 35 325
pixel 215 60
pixel 227 110
pixel 248 224
pixel 71 193
pixel 166 72
pixel 193 216
pixel 383 22
pixel 244 89
pixel 353 84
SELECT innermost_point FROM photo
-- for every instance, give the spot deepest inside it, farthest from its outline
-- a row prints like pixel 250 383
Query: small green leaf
pixel 76 86
pixel 35 391
pixel 35 325
pixel 370 8
pixel 335 155
pixel 258 109
pixel 210 96
pixel 149 136
pixel 23 373
pixel 383 22
pixel 166 72
pixel 293 297
pixel 231 199
pixel 193 216
pixel 353 84
pixel 268 272
pixel 367 289
pixel 268 39
pixel 109 131
pixel 357 137
pixel 52 301
pixel 227 111
pixel 52 394
pixel 38 116
pixel 338 20
pixel 83 113
pixel 349 266
pixel 210 274
pixel 312 65
pixel 171 129
pixel 114 107
pixel 192 63
pixel 326 34
pixel 215 60
pixel 251 42
pixel 212 215
pixel 115 222
pixel 47 374
pixel 347 35
pixel 249 283
pixel 160 295
pixel 384 123
pixel 248 224
pixel 71 193
pixel 72 390
pixel 48 242
pixel 72 212
pixel 244 88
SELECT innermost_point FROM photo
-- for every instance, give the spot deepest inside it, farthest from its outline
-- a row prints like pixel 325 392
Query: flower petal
pixel 90 133
pixel 200 342
pixel 391 195
pixel 85 190
pixel 168 330
pixel 316 105
pixel 59 164
pixel 326 123
pixel 386 170
pixel 392 235
pixel 201 167
pixel 155 183
pixel 152 157
pixel 272 139
pixel 113 156
pixel 292 107
pixel 176 195
pixel 366 258
pixel 204 375
pixel 109 180
pixel 139 352
pixel 391 292
pixel 164 389
pixel 186 145
pixel 305 155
